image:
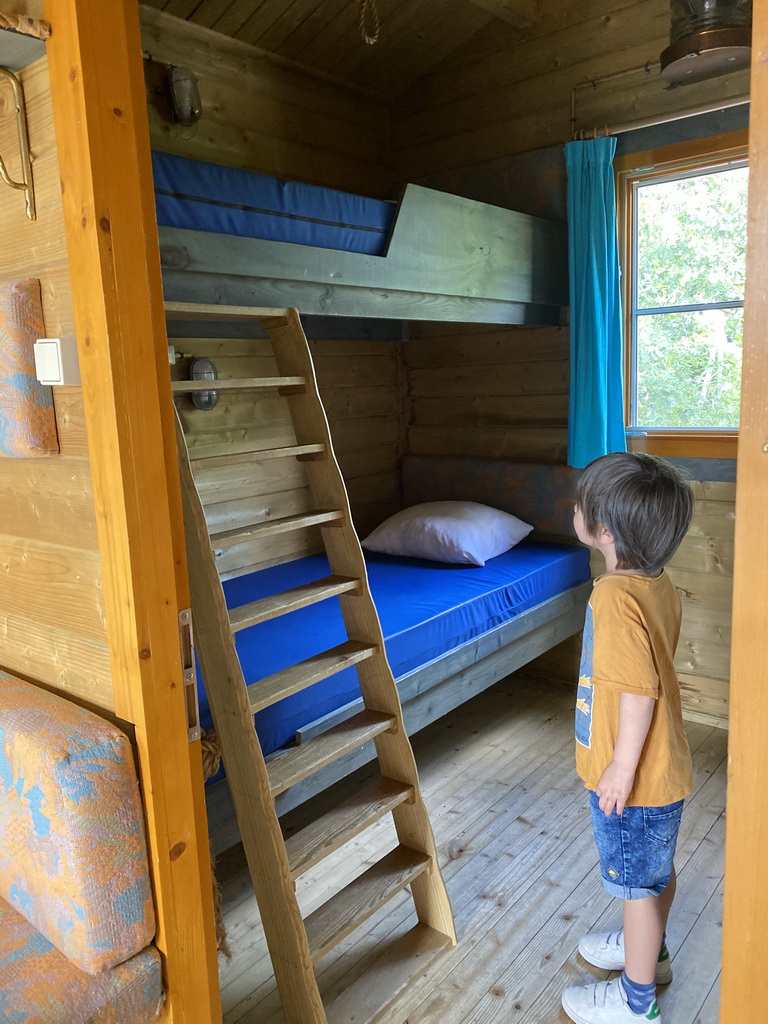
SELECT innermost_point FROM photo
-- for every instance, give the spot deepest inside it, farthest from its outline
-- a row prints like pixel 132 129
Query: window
pixel 683 222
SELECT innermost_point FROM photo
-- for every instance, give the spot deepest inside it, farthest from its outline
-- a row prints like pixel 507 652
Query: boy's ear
pixel 604 535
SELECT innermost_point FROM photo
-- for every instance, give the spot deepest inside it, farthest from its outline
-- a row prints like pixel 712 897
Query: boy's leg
pixel 643 932
pixel 666 897
pixel 636 851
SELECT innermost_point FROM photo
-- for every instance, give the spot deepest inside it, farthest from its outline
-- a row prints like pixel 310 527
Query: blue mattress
pixel 426 609
pixel 208 197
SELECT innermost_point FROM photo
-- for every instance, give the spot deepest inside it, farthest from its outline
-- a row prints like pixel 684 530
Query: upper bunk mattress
pixel 208 197
pixel 426 609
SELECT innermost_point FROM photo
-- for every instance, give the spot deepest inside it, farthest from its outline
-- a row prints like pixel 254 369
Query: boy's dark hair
pixel 645 502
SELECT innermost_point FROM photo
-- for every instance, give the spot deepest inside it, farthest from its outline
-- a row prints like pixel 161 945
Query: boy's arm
pixel 615 785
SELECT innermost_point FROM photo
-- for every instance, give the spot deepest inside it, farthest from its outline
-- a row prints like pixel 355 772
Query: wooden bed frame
pixel 507 268
pixel 542 494
pixel 448 258
pixel 427 693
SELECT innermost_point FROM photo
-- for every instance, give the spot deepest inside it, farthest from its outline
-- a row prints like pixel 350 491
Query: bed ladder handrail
pixel 296 943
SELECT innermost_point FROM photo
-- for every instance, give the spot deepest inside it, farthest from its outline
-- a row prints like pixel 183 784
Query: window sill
pixel 686 446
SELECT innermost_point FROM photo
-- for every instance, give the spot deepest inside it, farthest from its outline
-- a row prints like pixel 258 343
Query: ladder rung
pixel 209 312
pixel 343 823
pixel 296 451
pixel 332 922
pixel 182 387
pixel 290 600
pixel 296 764
pixel 271 526
pixel 273 688
pixel 402 963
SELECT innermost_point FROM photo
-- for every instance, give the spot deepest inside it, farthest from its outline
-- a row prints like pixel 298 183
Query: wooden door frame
pixel 102 135
pixel 745 933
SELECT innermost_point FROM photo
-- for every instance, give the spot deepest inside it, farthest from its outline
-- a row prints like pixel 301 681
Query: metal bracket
pixel 187 645
pixel 25 185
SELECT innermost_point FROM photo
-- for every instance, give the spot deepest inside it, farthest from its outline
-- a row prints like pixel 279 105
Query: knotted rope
pixel 369 19
pixel 211 761
pixel 25 25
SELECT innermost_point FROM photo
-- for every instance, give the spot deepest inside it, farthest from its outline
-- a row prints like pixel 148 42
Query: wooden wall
pixel 361 386
pixel 487 390
pixel 508 91
pixel 491 392
pixel 702 571
pixel 472 127
pixel 51 608
pixel 264 113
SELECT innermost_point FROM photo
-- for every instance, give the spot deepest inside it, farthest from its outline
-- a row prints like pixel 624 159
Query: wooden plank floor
pixel 513 831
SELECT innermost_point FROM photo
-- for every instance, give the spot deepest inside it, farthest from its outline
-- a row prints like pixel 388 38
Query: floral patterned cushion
pixel 40 986
pixel 27 419
pixel 73 859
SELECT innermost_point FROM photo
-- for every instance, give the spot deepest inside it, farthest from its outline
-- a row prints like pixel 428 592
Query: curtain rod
pixel 651 122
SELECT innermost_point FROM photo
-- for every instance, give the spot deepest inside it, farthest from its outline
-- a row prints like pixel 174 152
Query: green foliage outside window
pixel 691 250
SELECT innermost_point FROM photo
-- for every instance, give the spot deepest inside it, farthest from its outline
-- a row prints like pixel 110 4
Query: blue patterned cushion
pixel 40 986
pixel 73 859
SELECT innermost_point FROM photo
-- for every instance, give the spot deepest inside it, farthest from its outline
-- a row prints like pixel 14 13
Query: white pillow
pixel 458 532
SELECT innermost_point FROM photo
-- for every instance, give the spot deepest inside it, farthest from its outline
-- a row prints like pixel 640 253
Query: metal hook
pixel 26 162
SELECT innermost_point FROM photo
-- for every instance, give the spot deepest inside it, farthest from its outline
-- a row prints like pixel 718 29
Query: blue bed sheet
pixel 209 197
pixel 426 609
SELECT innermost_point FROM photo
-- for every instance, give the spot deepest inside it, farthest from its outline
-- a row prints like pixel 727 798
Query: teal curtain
pixel 596 403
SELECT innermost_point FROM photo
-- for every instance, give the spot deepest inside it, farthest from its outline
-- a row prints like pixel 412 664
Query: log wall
pixel 361 386
pixel 263 113
pixel 509 91
pixel 52 625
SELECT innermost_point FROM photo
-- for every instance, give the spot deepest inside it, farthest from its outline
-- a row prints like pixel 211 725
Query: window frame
pixel 647 166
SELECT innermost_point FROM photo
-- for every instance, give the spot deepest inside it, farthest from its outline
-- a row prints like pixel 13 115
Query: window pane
pixel 689 369
pixel 692 239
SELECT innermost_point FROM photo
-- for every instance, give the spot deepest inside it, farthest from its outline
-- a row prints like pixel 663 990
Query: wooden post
pixel 102 136
pixel 745 936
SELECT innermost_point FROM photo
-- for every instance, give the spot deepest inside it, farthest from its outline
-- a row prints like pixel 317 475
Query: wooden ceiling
pixel 415 37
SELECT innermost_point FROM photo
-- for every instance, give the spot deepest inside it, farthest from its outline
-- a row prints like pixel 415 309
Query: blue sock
pixel 639 997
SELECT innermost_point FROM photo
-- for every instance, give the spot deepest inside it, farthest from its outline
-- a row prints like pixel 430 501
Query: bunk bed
pixel 242 239
pixel 450 631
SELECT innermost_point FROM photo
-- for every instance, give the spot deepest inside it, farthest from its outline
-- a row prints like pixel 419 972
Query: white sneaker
pixel 604 1002
pixel 606 950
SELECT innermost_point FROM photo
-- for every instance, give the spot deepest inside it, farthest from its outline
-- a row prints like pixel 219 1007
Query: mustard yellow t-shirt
pixel 630 635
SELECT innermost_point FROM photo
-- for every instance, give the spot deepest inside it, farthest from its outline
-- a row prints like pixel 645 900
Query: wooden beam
pixel 745 939
pixel 100 118
pixel 520 13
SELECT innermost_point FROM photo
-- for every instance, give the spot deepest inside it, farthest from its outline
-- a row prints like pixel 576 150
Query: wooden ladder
pixel 296 944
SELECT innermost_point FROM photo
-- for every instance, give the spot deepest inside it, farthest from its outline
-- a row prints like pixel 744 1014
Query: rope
pixel 211 754
pixel 26 26
pixel 369 14
pixel 211 761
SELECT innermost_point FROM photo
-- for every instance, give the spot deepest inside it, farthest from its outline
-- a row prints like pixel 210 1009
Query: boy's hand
pixel 614 788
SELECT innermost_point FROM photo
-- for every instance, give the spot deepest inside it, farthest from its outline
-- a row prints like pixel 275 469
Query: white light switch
pixel 56 361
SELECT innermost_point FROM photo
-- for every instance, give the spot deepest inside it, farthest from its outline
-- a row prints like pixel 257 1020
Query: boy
pixel 631 749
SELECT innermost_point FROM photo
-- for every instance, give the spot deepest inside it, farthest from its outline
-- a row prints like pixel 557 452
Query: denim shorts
pixel 636 848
